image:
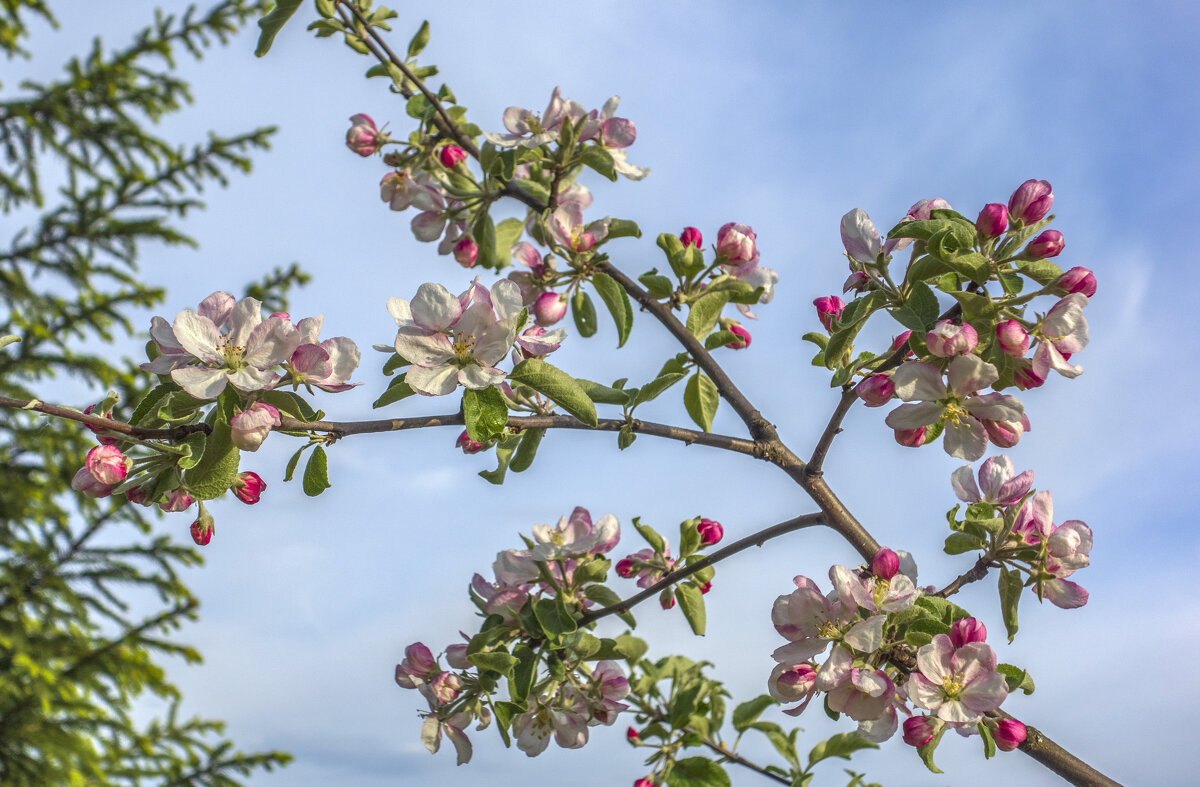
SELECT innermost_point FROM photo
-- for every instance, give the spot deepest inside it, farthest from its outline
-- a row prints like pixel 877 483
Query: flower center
pixel 829 630
pixel 463 344
pixel 953 686
pixel 953 412
pixel 233 352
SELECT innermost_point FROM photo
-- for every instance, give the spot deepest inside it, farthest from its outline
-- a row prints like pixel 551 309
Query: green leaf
pixel 819 339
pixel 841 341
pixel 150 403
pixel 700 398
pixel 419 40
pixel 720 339
pixel 659 287
pixel 652 389
pixel 989 743
pixel 1016 678
pixel 584 314
pixel 924 304
pixel 291 465
pixel 394 362
pixel 485 413
pixel 926 752
pixel 508 232
pixel 218 467
pixel 1042 271
pixel 703 313
pixel 602 394
pixel 691 601
pixel 746 713
pixel 689 537
pixel 617 301
pixel 923 230
pixel 484 232
pixel 650 534
pixel 550 617
pixel 599 159
pixel 495 660
pixel 272 22
pixel 841 745
pixel 561 387
pixel 970 265
pixel 289 403
pixel 606 597
pixel 526 450
pixel 194 447
pixel 504 452
pixel 623 228
pixel 397 389
pixel 975 306
pixel 697 772
pixel 524 672
pixel 925 268
pixel 631 648
pixel 961 543
pixel 625 437
pixel 419 107
pixel 1010 596
pixel 316 477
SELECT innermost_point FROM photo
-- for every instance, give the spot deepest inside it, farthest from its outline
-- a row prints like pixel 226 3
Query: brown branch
pixel 117 427
pixel 752 540
pixel 1038 746
pixel 973 574
pixel 832 430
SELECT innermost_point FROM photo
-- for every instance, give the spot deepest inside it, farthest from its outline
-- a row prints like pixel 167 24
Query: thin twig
pixel 832 430
pixel 118 427
pixel 752 540
pixel 973 574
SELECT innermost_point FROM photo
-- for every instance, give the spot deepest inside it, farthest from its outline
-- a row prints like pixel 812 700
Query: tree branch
pixel 105 424
pixel 973 574
pixel 752 540
pixel 832 430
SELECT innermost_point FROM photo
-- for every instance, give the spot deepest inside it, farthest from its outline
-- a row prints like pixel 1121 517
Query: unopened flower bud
pixel 456 656
pixel 902 340
pixel 625 568
pixel 993 220
pixel 644 782
pixel 549 308
pixel 919 730
pixel 1049 244
pixel 202 529
pixel 446 686
pixel 363 137
pixel 1009 734
pixel 829 308
pixel 631 735
pixel 108 464
pixel 86 483
pixel 691 237
pixel 737 244
pixel 1013 338
pixel 137 495
pixel 875 390
pixel 912 438
pixel 451 156
pixel 1031 201
pixel 857 281
pixel 885 564
pixel 1025 376
pixel 1006 434
pixel 1078 279
pixel 112 440
pixel 667 598
pixel 251 426
pixel 947 340
pixel 965 630
pixel 743 340
pixel 466 252
pixel 177 500
pixel 710 532
pixel 707 586
pixel 468 445
pixel 249 487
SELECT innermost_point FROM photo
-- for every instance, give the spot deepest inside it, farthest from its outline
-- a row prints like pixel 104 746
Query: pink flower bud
pixel 451 156
pixel 710 532
pixel 1049 244
pixel 250 427
pixel 644 782
pixel 707 586
pixel 993 220
pixel 1078 279
pixel 923 209
pixel 249 487
pixel 737 244
pixel 113 441
pixel 631 735
pixel 456 656
pixel 88 484
pixel 947 339
pixel 137 495
pixel 446 686
pixel 1006 434
pixel 966 630
pixel 1031 201
pixel 829 308
pixel 363 137
pixel 691 237
pixel 902 340
pixel 625 568
pixel 919 730
pixel 108 464
pixel 468 445
pixel 618 133
pixel 885 564
pixel 202 529
pixel 857 281
pixel 1009 734
pixel 1014 340
pixel 1025 376
pixel 666 599
pixel 466 252
pixel 912 438
pixel 875 390
pixel 549 308
pixel 177 500
pixel 744 339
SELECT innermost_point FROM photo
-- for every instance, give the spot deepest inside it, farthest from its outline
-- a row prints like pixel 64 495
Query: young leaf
pixel 841 745
pixel 659 287
pixel 397 389
pixel 272 22
pixel 703 313
pixel 495 660
pixel 701 399
pixel 419 40
pixel 485 238
pixel 527 450
pixel 485 413
pixel 652 389
pixel 1010 596
pixel 600 160
pixel 561 387
pixel 617 301
pixel 217 468
pixel 697 772
pixel 623 228
pixel 602 394
pixel 316 477
pixel 650 534
pixel 504 452
pixel 691 601
pixel 584 314
pixel 745 714
pixel 508 232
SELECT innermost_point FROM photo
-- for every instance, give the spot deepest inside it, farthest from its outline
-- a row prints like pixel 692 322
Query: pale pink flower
pixel 863 694
pixel 860 238
pixel 998 481
pixel 417 668
pixel 1013 338
pixel 363 137
pixel 528 129
pixel 250 427
pixel 575 536
pixel 433 728
pixel 1061 333
pixel 326 364
pixel 533 728
pixel 875 390
pixel 402 190
pixel 948 339
pixel 957 684
pixel 793 683
pixel 1031 201
pixel 217 307
pixel 607 687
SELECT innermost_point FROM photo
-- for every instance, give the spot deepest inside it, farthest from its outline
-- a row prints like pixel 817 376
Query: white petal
pixel 198 336
pixel 963 481
pixel 479 376
pixel 433 307
pixel 970 373
pixel 917 381
pixel 201 382
pixel 435 381
pixel 424 348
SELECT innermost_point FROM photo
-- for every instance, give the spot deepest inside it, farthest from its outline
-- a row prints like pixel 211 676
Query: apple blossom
pixel 433 728
pixel 1078 279
pixel 998 481
pixel 503 598
pixel 249 487
pixel 875 390
pixel 448 344
pixel 568 230
pixel 1049 244
pixel 1013 338
pixel 451 156
pixel 957 684
pixel 1009 734
pixel 644 782
pixel 575 536
pixel 537 342
pixel 250 427
pixel 528 129
pixel 417 668
pixel 549 308
pixel 863 694
pixel 860 238
pixel 402 190
pixel 1025 376
pixel 176 500
pixel 856 281
pixel 608 685
pixel 1062 332
pixel 743 340
pixel 736 244
pixel 993 220
pixel 1005 434
pixel 922 209
pixel 466 251
pixel 691 237
pixel 919 730
pixel 326 364
pixel 363 137
pixel 829 310
pixel 911 438
pixel 1031 201
pixel 948 339
pixel 793 683
pixel 953 402
pixel 108 464
pixel 710 532
pixel 567 722
pixel 1064 548
pixel 649 566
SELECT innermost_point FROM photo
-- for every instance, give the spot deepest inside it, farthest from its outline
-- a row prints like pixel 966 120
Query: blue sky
pixel 783 117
